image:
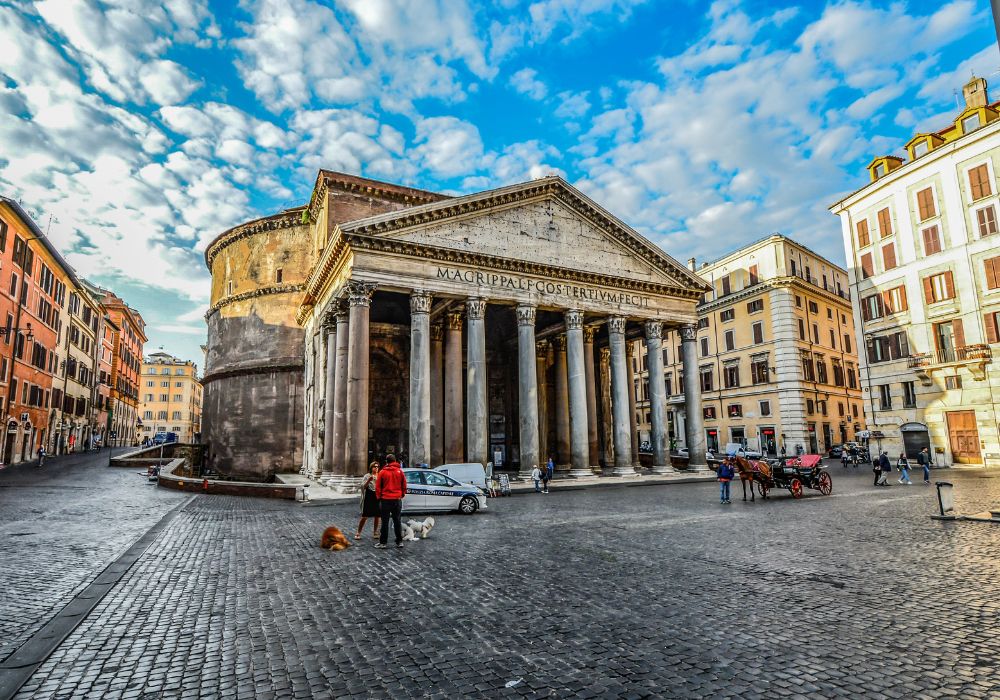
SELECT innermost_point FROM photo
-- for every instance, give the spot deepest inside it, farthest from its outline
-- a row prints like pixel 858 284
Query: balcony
pixel 974 357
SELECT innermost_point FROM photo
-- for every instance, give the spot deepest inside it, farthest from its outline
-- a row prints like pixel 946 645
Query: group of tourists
pixel 543 475
pixel 382 492
pixel 881 467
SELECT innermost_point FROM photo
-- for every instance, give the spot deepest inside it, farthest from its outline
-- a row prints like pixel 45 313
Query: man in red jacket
pixel 390 489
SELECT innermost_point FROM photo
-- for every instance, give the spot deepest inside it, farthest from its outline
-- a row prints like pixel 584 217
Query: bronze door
pixel 964 437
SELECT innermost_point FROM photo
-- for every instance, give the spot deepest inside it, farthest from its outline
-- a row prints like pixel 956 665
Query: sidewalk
pixel 320 495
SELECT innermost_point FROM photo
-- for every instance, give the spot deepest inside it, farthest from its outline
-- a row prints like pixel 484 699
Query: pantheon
pixel 489 327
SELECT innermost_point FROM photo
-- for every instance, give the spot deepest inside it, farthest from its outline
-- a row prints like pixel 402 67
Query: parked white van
pixel 467 473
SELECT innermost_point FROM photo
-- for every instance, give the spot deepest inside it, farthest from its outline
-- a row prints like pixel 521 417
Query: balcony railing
pixel 964 353
pixel 921 360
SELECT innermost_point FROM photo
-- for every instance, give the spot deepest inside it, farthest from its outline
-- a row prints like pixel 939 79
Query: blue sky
pixel 145 130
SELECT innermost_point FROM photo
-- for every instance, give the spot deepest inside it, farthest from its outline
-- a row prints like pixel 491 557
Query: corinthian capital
pixel 526 315
pixel 574 319
pixel 588 334
pixel 689 332
pixel 420 303
pixel 454 320
pixel 616 324
pixel 654 330
pixel 360 293
pixel 560 343
pixel 437 332
pixel 475 308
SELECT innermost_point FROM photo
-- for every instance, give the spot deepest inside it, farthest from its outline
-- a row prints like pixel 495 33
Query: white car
pixel 428 490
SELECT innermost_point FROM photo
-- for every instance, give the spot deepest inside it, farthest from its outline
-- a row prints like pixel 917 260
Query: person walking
pixel 390 489
pixel 845 457
pixel 550 468
pixel 877 471
pixel 369 502
pixel 924 460
pixel 536 476
pixel 725 476
pixel 884 468
pixel 545 480
pixel 41 456
pixel 904 467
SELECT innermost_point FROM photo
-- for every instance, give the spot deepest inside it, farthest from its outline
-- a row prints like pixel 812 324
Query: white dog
pixel 423 527
pixel 408 534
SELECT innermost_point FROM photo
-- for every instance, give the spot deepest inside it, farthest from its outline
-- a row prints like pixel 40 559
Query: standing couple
pixel 382 493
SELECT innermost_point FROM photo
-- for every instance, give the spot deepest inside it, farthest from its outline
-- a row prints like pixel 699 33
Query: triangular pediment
pixel 545 221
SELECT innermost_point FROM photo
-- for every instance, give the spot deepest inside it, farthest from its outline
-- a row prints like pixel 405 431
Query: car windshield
pixel 414 477
pixel 437 479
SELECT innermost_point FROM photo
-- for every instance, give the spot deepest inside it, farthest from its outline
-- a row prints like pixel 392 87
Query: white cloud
pixel 166 82
pixel 447 146
pixel 526 82
pixel 572 105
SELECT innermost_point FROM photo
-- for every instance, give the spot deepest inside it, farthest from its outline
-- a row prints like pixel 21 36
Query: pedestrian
pixel 369 502
pixel 877 471
pixel 904 467
pixel 390 489
pixel 550 469
pixel 545 480
pixel 536 476
pixel 924 460
pixel 725 475
pixel 884 468
pixel 845 457
pixel 41 456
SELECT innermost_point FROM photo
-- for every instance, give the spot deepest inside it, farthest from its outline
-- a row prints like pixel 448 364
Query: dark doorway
pixel 915 439
pixel 388 398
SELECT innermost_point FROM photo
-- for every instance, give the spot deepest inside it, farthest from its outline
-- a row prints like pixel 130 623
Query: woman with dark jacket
pixel 369 503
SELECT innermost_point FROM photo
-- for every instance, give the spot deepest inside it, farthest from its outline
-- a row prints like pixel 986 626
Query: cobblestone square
pixel 656 591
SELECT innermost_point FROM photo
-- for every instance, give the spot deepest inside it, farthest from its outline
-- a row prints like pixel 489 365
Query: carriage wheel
pixel 825 484
pixel 762 489
pixel 796 488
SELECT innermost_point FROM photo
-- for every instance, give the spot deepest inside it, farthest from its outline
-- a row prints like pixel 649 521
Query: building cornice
pixel 773 283
pixel 260 292
pixel 249 370
pixel 373 188
pixel 275 222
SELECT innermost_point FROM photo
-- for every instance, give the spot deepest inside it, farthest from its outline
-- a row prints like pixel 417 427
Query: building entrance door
pixel 964 437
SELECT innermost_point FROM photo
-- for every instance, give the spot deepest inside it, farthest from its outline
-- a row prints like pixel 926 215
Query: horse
pixel 749 471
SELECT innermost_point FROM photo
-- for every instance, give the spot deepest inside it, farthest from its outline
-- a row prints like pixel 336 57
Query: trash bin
pixel 946 500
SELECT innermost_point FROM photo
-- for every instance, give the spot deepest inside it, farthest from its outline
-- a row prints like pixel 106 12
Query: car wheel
pixel 468 505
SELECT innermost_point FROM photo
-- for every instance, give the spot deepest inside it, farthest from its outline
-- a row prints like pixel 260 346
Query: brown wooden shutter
pixel 992 331
pixel 867 267
pixel 887 302
pixel 949 285
pixel 980 182
pixel 932 242
pixel 902 299
pixel 959 331
pixel 928 290
pixel 884 223
pixel 925 204
pixel 865 315
pixel 992 266
pixel 889 256
pixel 863 238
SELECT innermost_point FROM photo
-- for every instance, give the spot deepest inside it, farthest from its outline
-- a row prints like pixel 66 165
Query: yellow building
pixel 171 397
pixel 778 363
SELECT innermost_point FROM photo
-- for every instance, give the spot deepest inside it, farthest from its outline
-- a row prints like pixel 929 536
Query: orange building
pixel 128 336
pixel 33 281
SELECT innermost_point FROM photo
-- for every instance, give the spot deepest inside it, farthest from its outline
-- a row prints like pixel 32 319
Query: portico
pixel 486 317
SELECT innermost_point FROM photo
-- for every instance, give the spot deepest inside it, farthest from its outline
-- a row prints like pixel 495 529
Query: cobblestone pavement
pixel 60 525
pixel 654 591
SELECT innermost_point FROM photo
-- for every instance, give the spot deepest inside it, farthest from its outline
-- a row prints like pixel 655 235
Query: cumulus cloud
pixel 526 82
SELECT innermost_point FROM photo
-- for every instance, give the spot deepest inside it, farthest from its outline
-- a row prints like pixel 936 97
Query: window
pixel 852 376
pixel 798 301
pixel 179 397
pixel 179 372
pixel 731 375
pixel 730 338
pixel 277 276
pixel 176 415
pixel 838 374
pixel 178 384
pixel 949 337
pixel 758 333
pixel 879 170
pixel 149 397
pixel 704 347
pixel 992 268
pixel 727 315
pixel 735 410
pixel 755 306
pixel 759 371
pixel 990 320
pixel 932 240
pixel 164 397
pixel 979 182
pixel 833 338
pixel 909 395
pixel 802 329
pixel 872 307
pixel 706 379
pixel 986 219
pixel 709 412
pixel 920 148
pixel 939 287
pixel 726 286
pixel 148 415
pixel 864 238
pixel 884 397
pixel 808 370
pixel 815 334
pixel 894 300
pixel 3 237
pixel 702 323
pixel 161 415
pixel 810 406
pixel 884 223
pixel 821 375
pixel 884 348
pixel 754 278
pixel 165 370
pixel 953 382
pixel 829 313
pixel 164 384
pixel 847 343
pixel 840 409
pixel 13 285
pixel 925 204
pixel 888 256
pixel 867 266
pixel 813 307
pixel 765 408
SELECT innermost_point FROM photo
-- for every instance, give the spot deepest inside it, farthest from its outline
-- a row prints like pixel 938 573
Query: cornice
pixel 260 292
pixel 766 285
pixel 254 369
pixel 373 188
pixel 286 219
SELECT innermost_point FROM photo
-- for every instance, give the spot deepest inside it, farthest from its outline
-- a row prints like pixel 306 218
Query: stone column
pixel 657 397
pixel 420 385
pixel 330 398
pixel 477 444
pixel 359 298
pixel 576 376
pixel 437 395
pixel 607 424
pixel 542 377
pixel 593 445
pixel 527 390
pixel 338 454
pixel 619 398
pixel 694 429
pixel 562 407
pixel 454 425
pixel 632 427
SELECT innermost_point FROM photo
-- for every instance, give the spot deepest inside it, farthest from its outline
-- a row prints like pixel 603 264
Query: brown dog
pixel 334 539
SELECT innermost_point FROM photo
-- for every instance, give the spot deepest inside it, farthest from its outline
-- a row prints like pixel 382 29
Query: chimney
pixel 974 92
pixel 691 264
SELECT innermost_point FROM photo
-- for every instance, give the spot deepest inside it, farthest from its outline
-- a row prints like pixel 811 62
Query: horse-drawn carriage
pixel 796 474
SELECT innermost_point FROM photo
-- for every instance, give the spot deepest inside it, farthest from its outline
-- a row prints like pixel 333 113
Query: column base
pixel 581 473
pixel 664 469
pixel 698 467
pixel 624 471
pixel 341 483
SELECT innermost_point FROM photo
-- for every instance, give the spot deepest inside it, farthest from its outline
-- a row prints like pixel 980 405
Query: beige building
pixel 170 397
pixel 921 238
pixel 74 387
pixel 777 358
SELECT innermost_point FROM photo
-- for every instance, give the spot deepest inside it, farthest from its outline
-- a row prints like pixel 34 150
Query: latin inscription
pixel 547 288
